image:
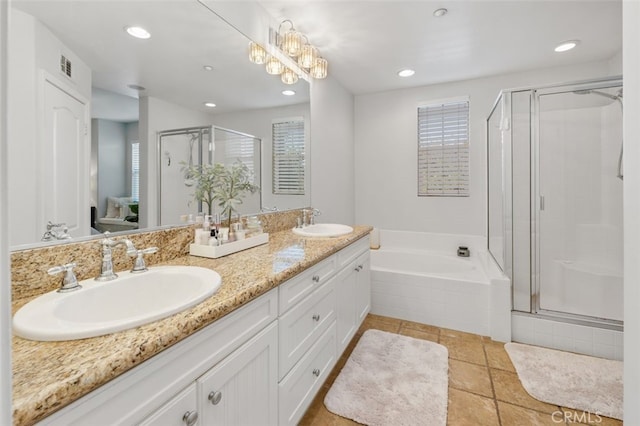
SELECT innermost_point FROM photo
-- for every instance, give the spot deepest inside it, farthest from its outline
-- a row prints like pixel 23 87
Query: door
pixel 243 388
pixel 64 149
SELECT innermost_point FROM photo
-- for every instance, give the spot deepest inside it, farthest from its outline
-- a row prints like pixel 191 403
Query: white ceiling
pixel 366 43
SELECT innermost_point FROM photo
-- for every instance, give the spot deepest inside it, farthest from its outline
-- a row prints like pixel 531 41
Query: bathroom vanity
pixel 256 352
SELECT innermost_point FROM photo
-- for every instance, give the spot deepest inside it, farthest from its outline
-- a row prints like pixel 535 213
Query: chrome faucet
pixel 56 231
pixel 107 244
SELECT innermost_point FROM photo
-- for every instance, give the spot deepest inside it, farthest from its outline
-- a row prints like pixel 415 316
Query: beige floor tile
pixel 470 377
pixel 418 334
pixel 508 388
pixel 380 323
pixel 467 409
pixel 421 327
pixel 460 334
pixel 512 415
pixel 497 356
pixel 464 349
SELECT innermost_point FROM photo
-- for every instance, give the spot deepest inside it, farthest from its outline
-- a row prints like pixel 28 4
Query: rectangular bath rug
pixel 391 379
pixel 570 380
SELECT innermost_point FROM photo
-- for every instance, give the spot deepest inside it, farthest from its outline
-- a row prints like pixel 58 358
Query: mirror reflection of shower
pixel 617 97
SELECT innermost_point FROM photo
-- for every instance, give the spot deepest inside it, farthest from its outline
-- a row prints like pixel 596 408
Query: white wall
pixel 258 123
pixel 157 115
pixel 631 52
pixel 386 151
pixel 32 48
pixel 332 152
pixel 5 287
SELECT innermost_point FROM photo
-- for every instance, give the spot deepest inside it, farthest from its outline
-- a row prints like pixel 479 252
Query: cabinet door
pixel 243 388
pixel 179 411
pixel 345 308
pixel 363 288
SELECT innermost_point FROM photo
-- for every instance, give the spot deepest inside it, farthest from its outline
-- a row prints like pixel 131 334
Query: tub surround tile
pixel 49 375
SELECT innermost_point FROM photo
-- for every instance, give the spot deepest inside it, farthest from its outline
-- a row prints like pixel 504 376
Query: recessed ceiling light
pixel 210 104
pixel 440 12
pixel 208 68
pixel 406 73
pixel 288 92
pixel 566 45
pixel 137 32
pixel 136 87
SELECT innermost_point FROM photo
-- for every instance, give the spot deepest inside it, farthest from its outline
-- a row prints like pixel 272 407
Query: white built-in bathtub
pixel 419 277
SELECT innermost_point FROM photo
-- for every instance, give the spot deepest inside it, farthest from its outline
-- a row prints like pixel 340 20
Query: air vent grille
pixel 65 66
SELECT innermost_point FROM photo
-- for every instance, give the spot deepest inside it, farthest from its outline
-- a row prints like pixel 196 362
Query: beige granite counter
pixel 49 375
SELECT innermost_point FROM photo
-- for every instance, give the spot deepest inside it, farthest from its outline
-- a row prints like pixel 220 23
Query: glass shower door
pixel 579 201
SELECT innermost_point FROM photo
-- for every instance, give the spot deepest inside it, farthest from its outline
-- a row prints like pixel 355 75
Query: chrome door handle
pixel 316 317
pixel 316 372
pixel 190 418
pixel 215 397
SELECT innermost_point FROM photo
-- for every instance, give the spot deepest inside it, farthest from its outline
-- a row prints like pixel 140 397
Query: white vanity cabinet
pixel 353 291
pixel 260 365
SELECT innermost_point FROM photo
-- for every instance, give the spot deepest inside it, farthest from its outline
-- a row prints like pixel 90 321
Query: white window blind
pixel 135 171
pixel 443 149
pixel 241 148
pixel 288 157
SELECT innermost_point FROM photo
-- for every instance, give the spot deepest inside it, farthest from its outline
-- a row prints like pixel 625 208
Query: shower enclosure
pixel 178 148
pixel 555 199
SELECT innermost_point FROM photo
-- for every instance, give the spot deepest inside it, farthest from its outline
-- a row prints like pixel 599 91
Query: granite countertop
pixel 50 375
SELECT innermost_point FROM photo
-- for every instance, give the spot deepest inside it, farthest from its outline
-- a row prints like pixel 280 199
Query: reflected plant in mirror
pixel 226 185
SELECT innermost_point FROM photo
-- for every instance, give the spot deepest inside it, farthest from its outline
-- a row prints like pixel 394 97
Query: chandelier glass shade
pixel 319 68
pixel 257 54
pixel 289 76
pixel 274 66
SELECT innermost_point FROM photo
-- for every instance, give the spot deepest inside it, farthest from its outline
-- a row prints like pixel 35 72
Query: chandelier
pixel 296 47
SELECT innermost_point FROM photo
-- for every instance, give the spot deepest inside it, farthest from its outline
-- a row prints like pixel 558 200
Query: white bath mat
pixel 391 379
pixel 570 380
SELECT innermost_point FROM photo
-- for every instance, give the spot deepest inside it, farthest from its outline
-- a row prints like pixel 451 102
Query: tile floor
pixel 483 386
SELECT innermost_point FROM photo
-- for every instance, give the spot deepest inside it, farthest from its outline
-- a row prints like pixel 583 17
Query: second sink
pixel 323 230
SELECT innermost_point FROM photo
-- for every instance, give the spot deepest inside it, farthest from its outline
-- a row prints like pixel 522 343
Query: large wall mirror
pixel 88 104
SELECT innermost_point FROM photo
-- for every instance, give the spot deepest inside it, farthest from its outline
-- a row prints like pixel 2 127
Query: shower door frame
pixel 536 200
pixel 177 132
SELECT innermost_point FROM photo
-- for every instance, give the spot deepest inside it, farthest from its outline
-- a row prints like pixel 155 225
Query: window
pixel 239 147
pixel 135 171
pixel 288 157
pixel 443 149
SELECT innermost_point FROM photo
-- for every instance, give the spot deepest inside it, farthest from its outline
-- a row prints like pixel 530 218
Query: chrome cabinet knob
pixel 316 372
pixel 190 418
pixel 316 278
pixel 215 397
pixel 316 317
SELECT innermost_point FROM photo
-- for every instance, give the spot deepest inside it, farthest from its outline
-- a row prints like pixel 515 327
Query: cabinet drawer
pixel 351 252
pixel 298 287
pixel 301 326
pixel 175 411
pixel 300 386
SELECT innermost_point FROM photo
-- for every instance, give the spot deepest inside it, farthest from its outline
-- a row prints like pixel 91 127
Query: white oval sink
pixel 100 308
pixel 323 230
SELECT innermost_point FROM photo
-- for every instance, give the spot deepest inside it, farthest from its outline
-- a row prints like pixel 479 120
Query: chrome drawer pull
pixel 190 418
pixel 215 397
pixel 316 372
pixel 316 278
pixel 316 317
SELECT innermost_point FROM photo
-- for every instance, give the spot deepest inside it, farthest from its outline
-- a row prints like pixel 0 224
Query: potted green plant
pixel 226 185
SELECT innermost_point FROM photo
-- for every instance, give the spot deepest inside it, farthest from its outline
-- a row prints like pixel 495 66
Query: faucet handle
pixel 138 264
pixel 69 282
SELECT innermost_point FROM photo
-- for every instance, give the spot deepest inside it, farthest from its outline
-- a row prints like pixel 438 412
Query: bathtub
pixel 418 277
